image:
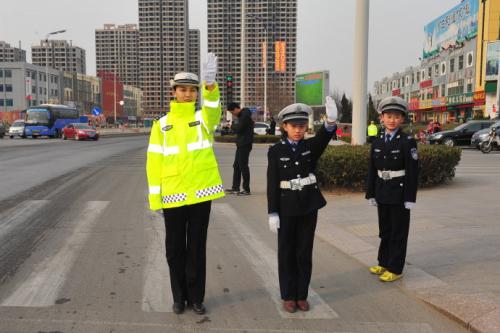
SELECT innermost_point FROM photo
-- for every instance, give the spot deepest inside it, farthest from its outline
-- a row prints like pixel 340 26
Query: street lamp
pixel 264 24
pixel 47 60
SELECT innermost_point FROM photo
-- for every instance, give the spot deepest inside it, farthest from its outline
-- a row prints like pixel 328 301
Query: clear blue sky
pixel 325 30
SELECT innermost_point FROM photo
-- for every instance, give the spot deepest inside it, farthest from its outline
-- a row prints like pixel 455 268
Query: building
pixel 11 54
pixel 112 97
pixel 487 61
pixel 81 91
pixel 117 51
pixel 194 52
pixel 274 22
pixel 60 54
pixel 165 21
pixel 443 86
pixel 132 98
pixel 23 85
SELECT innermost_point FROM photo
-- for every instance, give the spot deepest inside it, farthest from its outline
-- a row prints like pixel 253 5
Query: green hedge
pixel 256 138
pixel 346 166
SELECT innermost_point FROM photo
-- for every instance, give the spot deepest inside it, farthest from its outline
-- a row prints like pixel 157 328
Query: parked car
pixel 79 131
pixel 17 129
pixel 460 135
pixel 481 135
pixel 260 128
pixel 2 130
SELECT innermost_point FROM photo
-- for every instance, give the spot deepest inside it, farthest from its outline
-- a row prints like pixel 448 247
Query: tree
pixel 372 112
pixel 345 110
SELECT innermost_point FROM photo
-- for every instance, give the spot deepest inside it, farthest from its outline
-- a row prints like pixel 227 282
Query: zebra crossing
pixel 40 285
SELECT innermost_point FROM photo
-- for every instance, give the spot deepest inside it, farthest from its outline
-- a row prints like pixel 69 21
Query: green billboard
pixel 311 88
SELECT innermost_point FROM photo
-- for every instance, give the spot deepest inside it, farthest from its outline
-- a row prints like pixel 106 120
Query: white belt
pixel 388 174
pixel 298 183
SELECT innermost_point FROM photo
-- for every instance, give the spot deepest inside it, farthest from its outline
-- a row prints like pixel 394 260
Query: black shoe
pixel 199 308
pixel 232 191
pixel 244 192
pixel 178 307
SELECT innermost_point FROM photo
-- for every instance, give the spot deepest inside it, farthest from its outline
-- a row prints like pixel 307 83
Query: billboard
pixel 312 88
pixel 492 59
pixel 280 56
pixel 454 27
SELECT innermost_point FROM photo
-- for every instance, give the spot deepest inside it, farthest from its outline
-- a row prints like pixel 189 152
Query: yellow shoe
pixel 390 277
pixel 377 270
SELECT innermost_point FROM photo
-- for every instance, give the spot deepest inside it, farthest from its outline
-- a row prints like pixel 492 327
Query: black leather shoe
pixel 178 307
pixel 199 308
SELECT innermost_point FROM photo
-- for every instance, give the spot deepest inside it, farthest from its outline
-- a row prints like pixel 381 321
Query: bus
pixel 49 120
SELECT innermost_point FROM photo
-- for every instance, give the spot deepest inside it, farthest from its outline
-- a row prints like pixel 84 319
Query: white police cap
pixel 297 112
pixel 393 103
pixel 185 79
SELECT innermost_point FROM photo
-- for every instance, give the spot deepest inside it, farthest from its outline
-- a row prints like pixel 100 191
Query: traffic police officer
pixel 392 187
pixel 293 198
pixel 183 180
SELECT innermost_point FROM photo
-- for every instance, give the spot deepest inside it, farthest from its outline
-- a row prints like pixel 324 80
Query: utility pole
pixel 360 73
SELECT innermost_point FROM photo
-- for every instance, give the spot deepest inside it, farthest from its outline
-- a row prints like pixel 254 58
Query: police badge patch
pixel 414 154
pixel 167 128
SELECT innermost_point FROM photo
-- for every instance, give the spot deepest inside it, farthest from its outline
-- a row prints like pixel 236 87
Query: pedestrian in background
pixel 392 187
pixel 294 198
pixel 183 180
pixel 272 126
pixel 243 128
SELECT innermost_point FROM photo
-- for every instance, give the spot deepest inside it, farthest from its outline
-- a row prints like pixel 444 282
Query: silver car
pixel 17 129
pixel 481 135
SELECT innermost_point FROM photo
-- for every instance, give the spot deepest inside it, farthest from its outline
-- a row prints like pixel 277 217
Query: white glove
pixel 372 202
pixel 210 69
pixel 274 222
pixel 331 109
pixel 409 205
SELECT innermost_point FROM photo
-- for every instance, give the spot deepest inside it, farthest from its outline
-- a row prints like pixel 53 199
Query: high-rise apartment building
pixel 194 51
pixel 270 41
pixel 163 48
pixel 60 54
pixel 117 51
pixel 11 54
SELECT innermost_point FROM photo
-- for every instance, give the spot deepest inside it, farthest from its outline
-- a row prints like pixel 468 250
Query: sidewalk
pixel 453 260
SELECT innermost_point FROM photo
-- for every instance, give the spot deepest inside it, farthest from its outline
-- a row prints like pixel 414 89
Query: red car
pixel 79 131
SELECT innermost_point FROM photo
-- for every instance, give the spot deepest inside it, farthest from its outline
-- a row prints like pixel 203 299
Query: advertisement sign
pixel 454 27
pixel 492 58
pixel 28 89
pixel 312 88
pixel 466 98
pixel 479 98
pixel 264 54
pixel 280 56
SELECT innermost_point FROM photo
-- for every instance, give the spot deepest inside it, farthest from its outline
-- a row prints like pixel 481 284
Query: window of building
pixel 443 68
pixel 469 85
pixel 10 102
pixel 407 80
pixel 460 62
pixel 452 65
pixel 1 88
pixel 429 72
pixel 470 58
pixel 1 73
pixel 1 102
pixel 8 73
pixel 443 90
pixel 436 70
pixel 418 76
pixel 8 87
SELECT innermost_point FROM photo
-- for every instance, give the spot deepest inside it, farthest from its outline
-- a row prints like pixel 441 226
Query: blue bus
pixel 49 120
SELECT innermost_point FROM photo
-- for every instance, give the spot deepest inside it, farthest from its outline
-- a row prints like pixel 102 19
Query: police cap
pixel 393 104
pixel 295 113
pixel 185 79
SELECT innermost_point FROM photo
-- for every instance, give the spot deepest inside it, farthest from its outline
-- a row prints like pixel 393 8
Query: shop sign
pixel 414 104
pixel 437 102
pixel 396 92
pixel 426 104
pixel 426 84
pixel 467 98
pixel 479 97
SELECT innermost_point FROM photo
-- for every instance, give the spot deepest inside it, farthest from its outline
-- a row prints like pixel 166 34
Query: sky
pixel 325 30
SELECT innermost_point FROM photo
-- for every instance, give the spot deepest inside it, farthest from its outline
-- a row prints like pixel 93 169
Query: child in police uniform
pixel 392 187
pixel 294 198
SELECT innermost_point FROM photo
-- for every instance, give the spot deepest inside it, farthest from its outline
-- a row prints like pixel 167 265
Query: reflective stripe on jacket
pixel 181 165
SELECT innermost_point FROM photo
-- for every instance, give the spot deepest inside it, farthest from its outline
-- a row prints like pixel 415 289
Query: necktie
pixel 387 138
pixel 294 145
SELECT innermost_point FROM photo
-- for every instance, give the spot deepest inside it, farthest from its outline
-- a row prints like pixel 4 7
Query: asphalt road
pixel 81 252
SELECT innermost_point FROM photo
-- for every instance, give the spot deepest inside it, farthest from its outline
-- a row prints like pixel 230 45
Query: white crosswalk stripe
pixel 19 215
pixel 264 262
pixel 42 285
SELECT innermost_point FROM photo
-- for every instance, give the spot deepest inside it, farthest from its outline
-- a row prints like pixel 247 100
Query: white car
pixel 17 129
pixel 260 128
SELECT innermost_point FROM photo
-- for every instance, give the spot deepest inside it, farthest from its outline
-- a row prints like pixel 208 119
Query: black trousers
pixel 295 246
pixel 186 247
pixel 394 225
pixel 241 168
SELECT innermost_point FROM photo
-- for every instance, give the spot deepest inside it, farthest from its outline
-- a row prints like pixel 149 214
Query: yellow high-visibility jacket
pixel 181 165
pixel 372 130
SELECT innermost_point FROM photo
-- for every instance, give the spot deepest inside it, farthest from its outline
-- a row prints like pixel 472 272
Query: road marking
pixel 264 262
pixel 19 215
pixel 42 286
pixel 156 292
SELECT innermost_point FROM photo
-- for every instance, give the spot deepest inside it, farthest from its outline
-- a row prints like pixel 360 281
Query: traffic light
pixel 229 80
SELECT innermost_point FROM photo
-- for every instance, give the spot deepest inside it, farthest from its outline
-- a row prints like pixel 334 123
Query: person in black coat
pixel 243 128
pixel 392 187
pixel 294 197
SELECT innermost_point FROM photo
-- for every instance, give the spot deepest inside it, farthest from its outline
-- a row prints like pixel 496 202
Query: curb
pixel 478 313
